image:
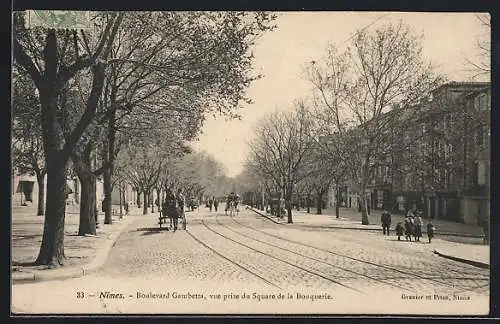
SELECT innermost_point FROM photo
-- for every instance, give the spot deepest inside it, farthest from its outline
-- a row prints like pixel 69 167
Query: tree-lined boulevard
pixel 120 103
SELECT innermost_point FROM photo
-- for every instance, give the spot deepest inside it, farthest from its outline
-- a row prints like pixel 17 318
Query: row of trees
pixel 151 173
pixel 348 126
pixel 120 99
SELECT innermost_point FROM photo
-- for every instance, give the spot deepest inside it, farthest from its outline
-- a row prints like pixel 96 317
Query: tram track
pixel 311 272
pixel 475 274
pixel 230 260
pixel 315 259
pixel 385 267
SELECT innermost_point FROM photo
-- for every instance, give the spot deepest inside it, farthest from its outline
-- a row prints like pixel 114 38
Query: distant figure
pixel 430 230
pixel 210 204
pixel 216 204
pixel 180 207
pixel 408 228
pixel 126 208
pixel 386 221
pixel 485 225
pixel 399 230
pixel 418 227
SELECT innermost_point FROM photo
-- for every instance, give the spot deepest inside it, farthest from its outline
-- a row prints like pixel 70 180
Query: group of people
pixel 411 227
pixel 173 208
pixel 231 199
pixel 213 203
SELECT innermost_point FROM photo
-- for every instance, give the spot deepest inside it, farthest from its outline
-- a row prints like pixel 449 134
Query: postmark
pixel 58 19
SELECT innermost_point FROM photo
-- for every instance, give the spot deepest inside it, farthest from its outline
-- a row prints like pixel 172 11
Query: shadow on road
pixel 23 263
pixel 152 230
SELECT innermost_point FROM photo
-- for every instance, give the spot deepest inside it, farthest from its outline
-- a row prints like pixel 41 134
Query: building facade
pixel 436 159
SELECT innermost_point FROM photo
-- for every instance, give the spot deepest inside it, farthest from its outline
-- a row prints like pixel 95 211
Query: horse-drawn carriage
pixel 173 209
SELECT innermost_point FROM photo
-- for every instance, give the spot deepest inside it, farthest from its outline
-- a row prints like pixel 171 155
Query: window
pixel 482 102
pixel 480 135
pixel 448 151
pixel 486 134
pixel 481 173
pixel 476 104
pixel 442 177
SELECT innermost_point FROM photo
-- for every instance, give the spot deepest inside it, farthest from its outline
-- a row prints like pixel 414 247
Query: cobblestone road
pixel 248 251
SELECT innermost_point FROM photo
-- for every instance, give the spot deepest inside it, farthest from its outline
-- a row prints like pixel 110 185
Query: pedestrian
pixel 399 230
pixel 126 208
pixel 180 207
pixel 386 221
pixel 210 204
pixel 216 204
pixel 485 225
pixel 418 227
pixel 408 228
pixel 430 230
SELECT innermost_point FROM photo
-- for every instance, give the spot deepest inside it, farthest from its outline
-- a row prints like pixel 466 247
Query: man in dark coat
pixel 180 207
pixel 170 209
pixel 216 204
pixel 386 221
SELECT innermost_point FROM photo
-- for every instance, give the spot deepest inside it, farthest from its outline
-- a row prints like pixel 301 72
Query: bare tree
pixel 281 147
pixel 480 64
pixel 385 68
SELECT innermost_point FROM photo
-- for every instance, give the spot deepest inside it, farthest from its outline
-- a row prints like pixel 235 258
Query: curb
pixel 74 272
pixel 477 264
pixel 263 215
pixel 363 228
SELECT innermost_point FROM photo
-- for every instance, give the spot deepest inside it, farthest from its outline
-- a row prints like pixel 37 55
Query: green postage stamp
pixel 58 19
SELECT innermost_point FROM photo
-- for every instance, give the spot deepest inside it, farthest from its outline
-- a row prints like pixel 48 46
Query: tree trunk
pixel 145 203
pixel 41 193
pixel 153 201
pixel 308 203
pixel 121 200
pixel 52 247
pixel 319 203
pixel 108 189
pixel 365 179
pixel 87 204
pixel 337 205
pixel 138 198
pixel 288 202
pixel 88 182
pixel 109 157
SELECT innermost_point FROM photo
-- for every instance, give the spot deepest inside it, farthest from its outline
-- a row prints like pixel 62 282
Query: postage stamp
pixel 58 19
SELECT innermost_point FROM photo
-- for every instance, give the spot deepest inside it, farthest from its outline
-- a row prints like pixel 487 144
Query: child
pixel 399 230
pixel 430 230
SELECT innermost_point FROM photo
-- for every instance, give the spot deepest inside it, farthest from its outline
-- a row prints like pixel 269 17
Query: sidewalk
pixel 474 254
pixel 84 254
pixel 352 219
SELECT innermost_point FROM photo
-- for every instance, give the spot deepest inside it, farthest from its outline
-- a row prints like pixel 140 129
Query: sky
pixel 302 37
